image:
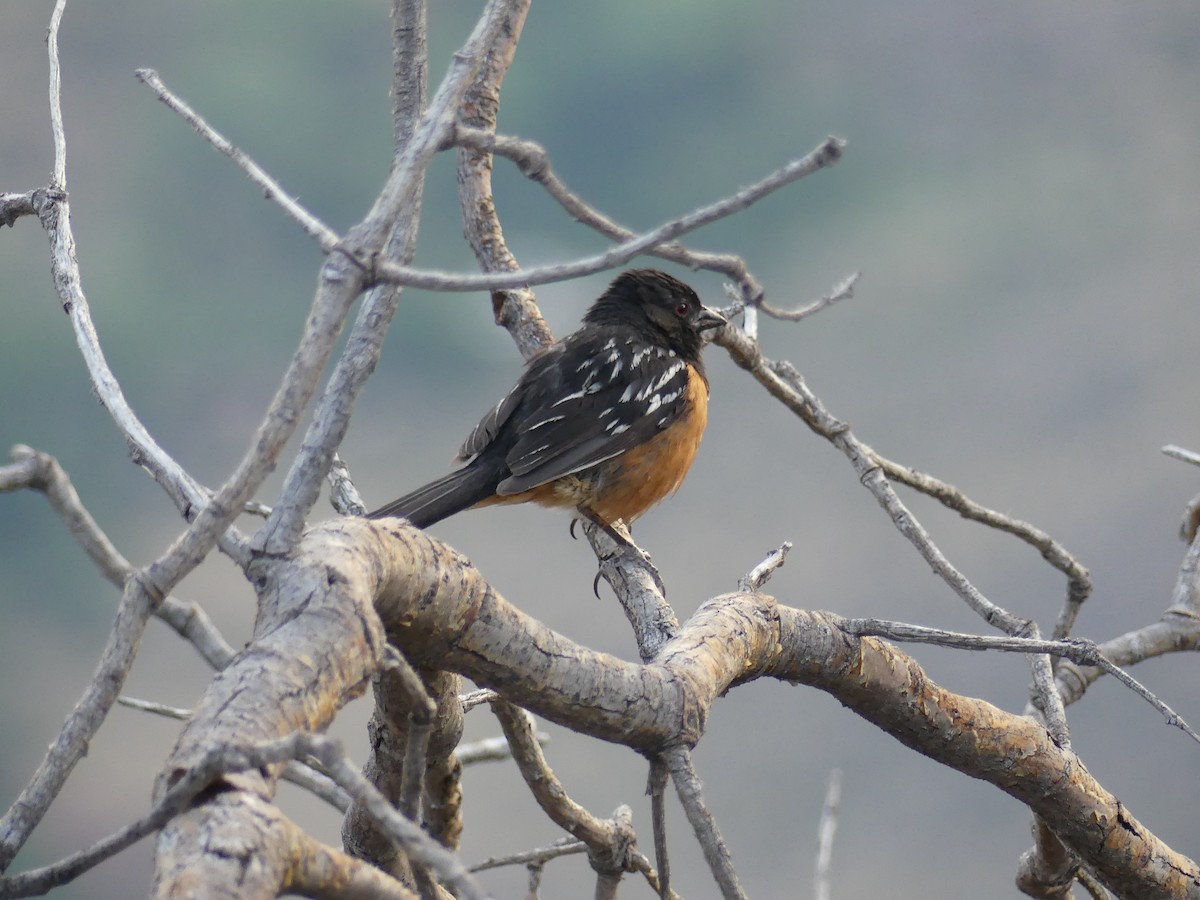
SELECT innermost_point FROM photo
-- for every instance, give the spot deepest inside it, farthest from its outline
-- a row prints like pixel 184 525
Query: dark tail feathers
pixel 439 499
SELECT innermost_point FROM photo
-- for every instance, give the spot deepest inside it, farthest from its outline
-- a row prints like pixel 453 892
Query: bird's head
pixel 669 307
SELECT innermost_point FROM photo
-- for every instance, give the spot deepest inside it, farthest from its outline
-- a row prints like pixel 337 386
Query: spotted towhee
pixel 606 421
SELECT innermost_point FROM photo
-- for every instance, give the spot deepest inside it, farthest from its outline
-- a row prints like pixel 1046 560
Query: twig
pixel 326 237
pixel 608 843
pixel 826 830
pixel 1079 580
pixel 1078 650
pixel 477 698
pixel 53 209
pixel 1047 869
pixel 300 773
pixel 1184 455
pixel 761 574
pixel 1191 513
pixel 783 381
pixel 143 592
pixel 561 847
pixel 494 749
pixel 34 470
pixel 656 787
pixel 1090 884
pixel 403 831
pixel 533 162
pixel 343 495
pixel 716 853
pixel 825 155
pixel 40 881
pixel 58 180
pixel 159 709
pixel 843 290
pixel 41 472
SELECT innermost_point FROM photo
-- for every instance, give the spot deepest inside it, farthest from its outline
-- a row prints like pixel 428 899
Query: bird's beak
pixel 708 319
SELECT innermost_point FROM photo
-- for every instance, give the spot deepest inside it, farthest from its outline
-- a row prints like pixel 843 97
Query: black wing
pixel 481 437
pixel 593 404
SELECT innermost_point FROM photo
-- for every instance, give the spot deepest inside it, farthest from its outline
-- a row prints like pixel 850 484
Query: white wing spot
pixel 567 398
pixel 662 380
pixel 545 422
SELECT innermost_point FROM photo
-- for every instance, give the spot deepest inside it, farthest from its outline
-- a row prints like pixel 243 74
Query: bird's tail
pixel 435 501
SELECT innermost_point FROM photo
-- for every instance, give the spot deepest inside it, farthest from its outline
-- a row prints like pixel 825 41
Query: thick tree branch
pixel 440 612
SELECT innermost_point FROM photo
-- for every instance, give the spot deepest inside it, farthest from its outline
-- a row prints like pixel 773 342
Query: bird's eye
pixel 681 308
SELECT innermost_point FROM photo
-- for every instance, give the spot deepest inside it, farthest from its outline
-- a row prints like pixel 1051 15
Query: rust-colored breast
pixel 635 481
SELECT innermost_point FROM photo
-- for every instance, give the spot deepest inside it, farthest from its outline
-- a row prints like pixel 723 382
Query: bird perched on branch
pixel 606 421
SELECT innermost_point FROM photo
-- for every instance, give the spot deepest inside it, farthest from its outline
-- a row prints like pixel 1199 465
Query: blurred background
pixel 1020 191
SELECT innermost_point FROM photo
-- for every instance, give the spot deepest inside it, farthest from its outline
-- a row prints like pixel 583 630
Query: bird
pixel 606 421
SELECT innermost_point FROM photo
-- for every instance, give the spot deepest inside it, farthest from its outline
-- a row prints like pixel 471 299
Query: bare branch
pixel 1079 650
pixel 419 846
pixel 761 574
pixel 656 787
pixel 58 180
pixel 687 786
pixel 1182 454
pixel 516 310
pixel 325 237
pixel 393 213
pixel 298 773
pixel 826 830
pixel 609 841
pixel 343 495
pixel 15 206
pixel 1079 580
pixel 41 472
pixel 159 709
pixel 477 698
pixel 493 749
pixel 844 290
pixel 785 383
pixel 1191 514
pixel 825 155
pixel 533 162
pixel 543 855
pixel 53 210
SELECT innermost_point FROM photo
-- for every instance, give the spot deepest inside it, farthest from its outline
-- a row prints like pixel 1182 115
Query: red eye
pixel 681 308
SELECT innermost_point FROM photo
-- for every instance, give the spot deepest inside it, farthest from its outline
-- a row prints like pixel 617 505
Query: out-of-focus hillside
pixel 1020 190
